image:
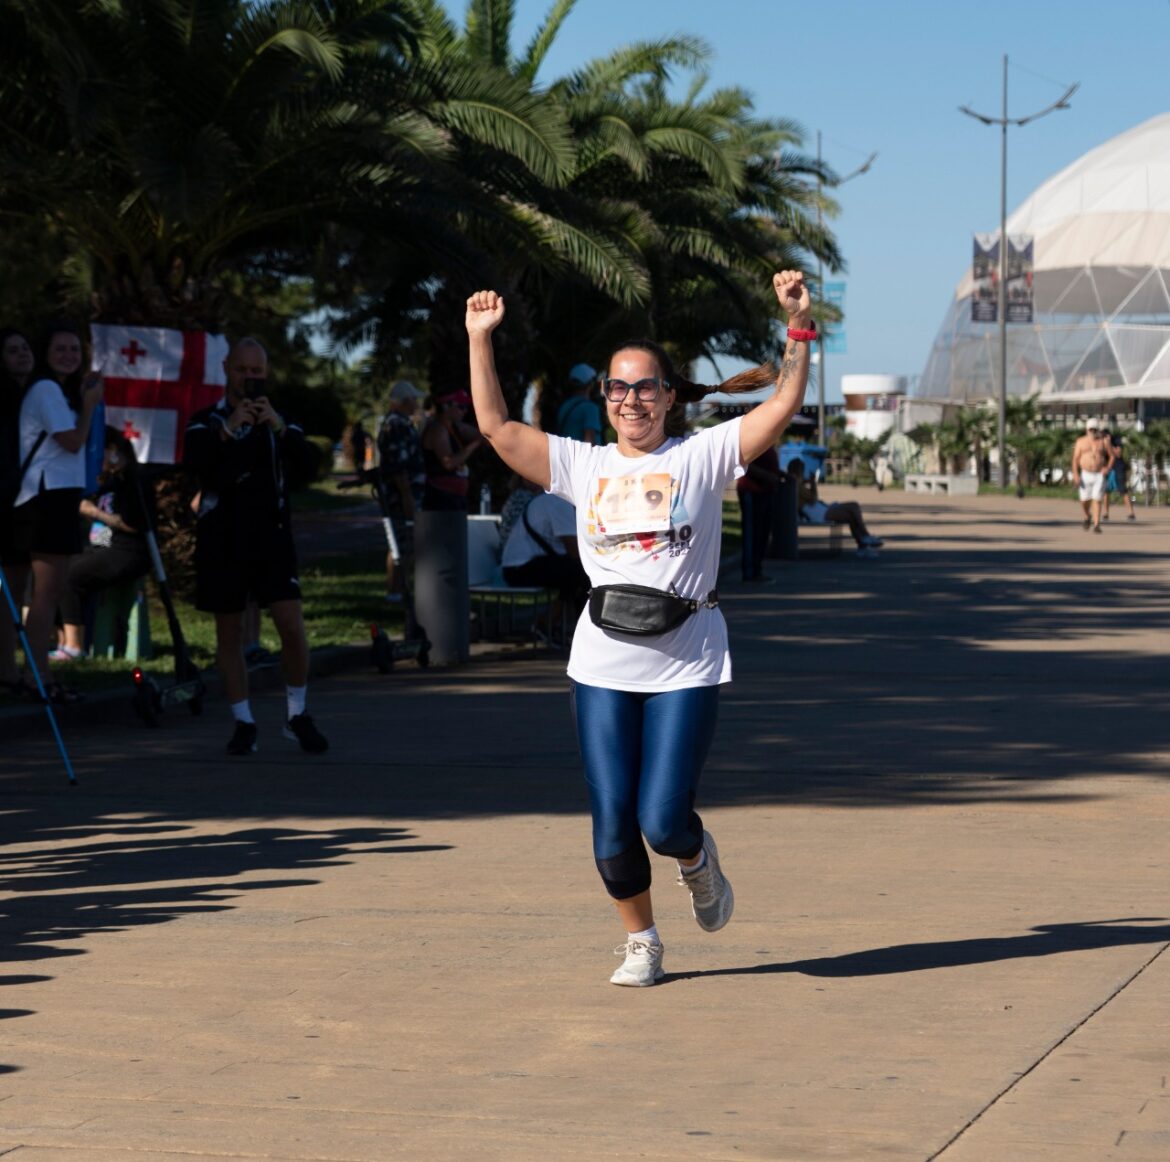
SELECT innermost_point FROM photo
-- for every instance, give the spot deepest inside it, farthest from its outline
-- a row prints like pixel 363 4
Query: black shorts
pixel 9 553
pixel 49 523
pixel 224 584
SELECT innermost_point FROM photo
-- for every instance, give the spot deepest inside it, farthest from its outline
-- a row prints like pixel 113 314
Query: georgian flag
pixel 155 380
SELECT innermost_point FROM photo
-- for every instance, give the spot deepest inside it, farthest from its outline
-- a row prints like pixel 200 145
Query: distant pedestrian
pixel 359 440
pixel 1117 478
pixel 648 660
pixel 400 465
pixel 1092 458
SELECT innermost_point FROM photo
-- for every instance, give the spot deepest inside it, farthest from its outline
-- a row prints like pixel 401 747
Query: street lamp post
pixel 1003 122
pixel 824 437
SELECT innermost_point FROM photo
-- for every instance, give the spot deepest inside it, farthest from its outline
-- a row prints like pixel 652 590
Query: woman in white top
pixel 55 415
pixel 649 516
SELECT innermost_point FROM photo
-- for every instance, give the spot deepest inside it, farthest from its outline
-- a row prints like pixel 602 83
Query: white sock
pixel 690 871
pixel 242 711
pixel 649 936
pixel 296 700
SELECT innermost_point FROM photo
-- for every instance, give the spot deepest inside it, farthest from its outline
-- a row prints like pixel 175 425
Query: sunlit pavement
pixel 939 786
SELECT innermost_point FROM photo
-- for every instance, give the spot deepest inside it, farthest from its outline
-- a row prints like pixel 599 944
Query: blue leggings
pixel 643 756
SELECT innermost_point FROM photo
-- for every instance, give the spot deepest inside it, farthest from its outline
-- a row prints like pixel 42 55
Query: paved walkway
pixel 939 787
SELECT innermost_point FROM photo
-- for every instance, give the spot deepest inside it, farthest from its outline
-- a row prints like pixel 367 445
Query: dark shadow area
pixel 1043 940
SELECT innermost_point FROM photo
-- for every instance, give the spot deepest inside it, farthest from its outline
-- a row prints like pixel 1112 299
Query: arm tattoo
pixel 791 358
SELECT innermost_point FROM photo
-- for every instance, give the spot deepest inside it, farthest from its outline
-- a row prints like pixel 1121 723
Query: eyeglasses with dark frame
pixel 645 390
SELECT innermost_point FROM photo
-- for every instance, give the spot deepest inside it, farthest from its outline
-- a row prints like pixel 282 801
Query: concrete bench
pixel 942 483
pixel 822 538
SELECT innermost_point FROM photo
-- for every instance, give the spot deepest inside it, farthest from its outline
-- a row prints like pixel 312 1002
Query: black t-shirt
pixel 244 484
pixel 120 496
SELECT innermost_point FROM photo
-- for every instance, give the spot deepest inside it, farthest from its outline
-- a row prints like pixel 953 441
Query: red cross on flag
pixel 155 379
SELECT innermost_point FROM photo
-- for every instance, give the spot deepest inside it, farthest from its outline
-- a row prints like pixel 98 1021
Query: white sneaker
pixel 642 965
pixel 712 900
pixel 872 542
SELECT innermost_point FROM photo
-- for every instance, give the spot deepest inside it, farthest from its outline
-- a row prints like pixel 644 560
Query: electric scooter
pixel 151 697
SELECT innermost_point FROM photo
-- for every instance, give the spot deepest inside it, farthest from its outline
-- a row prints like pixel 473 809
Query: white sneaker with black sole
pixel 712 900
pixel 642 965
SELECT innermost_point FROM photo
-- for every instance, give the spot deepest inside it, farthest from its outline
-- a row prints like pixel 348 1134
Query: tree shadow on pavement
pixel 150 871
pixel 1043 940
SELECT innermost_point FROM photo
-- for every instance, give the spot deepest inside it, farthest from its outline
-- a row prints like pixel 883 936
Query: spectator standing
pixel 116 551
pixel 448 442
pixel 16 369
pixel 647 663
pixel 579 418
pixel 55 417
pixel 756 491
pixel 242 452
pixel 400 465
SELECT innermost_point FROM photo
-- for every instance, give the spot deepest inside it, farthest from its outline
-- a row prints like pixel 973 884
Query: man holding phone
pixel 242 452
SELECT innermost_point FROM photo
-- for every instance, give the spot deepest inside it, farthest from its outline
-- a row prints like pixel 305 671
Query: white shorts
pixel 1092 485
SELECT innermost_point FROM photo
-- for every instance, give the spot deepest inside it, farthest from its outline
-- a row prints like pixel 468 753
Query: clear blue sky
pixel 889 75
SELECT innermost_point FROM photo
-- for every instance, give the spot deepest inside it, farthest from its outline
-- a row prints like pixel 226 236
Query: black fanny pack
pixel 640 610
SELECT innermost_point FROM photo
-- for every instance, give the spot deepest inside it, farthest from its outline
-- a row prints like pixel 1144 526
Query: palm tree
pixel 185 138
pixel 672 219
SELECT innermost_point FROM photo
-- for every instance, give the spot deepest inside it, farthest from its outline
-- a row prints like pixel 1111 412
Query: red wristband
pixel 802 336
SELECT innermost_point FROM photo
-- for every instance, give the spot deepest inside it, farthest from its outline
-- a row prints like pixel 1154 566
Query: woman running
pixel 650 653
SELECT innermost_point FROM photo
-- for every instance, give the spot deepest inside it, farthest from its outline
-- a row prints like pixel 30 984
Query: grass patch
pixel 326 496
pixel 342 596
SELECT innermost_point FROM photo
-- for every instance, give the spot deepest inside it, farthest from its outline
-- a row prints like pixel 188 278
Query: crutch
pixel 18 625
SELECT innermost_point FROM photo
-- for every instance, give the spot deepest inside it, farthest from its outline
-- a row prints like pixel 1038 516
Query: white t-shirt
pixel 651 520
pixel 552 518
pixel 45 409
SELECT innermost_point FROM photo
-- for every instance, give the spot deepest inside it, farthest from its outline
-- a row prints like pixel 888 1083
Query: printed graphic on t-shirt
pixel 642 514
pixel 638 503
pixel 101 534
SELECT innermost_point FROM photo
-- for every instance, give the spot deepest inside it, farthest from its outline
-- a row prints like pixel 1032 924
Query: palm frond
pixel 542 40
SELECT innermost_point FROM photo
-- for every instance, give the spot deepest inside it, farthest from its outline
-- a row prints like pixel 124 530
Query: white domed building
pixel 1101 330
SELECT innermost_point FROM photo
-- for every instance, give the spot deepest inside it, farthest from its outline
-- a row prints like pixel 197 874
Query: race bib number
pixel 638 503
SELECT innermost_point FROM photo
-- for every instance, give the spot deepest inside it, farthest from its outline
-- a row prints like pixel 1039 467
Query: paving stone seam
pixel 1074 1029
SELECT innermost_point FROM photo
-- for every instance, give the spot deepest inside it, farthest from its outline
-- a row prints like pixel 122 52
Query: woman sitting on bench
pixel 116 551
pixel 816 511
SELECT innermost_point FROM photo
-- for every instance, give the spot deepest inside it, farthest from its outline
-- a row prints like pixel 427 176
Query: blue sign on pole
pixel 834 337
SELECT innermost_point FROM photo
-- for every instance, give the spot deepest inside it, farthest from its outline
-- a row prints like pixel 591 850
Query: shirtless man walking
pixel 1091 460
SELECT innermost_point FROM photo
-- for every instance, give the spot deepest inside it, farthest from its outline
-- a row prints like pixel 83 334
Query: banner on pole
pixel 834 336
pixel 985 279
pixel 156 379
pixel 1019 279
